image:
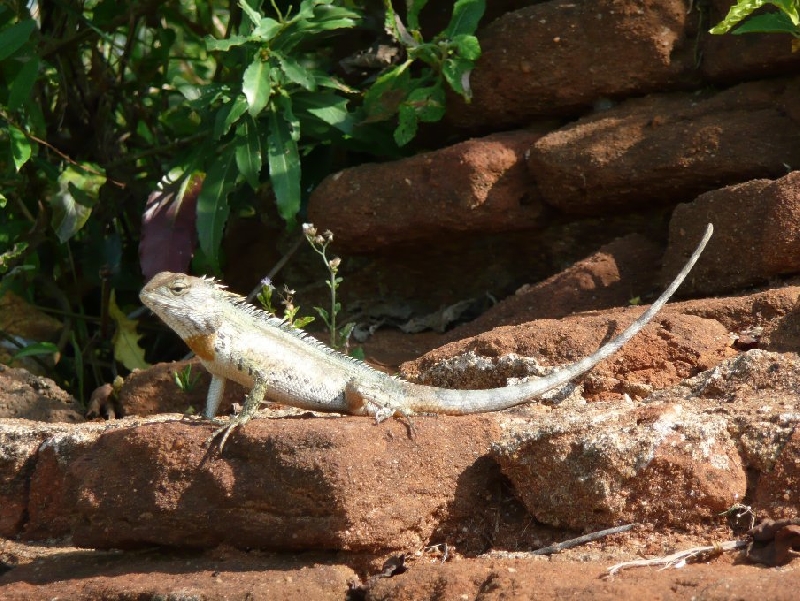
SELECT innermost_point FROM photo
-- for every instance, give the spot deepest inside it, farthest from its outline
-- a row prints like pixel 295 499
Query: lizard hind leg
pixel 251 403
pixel 361 400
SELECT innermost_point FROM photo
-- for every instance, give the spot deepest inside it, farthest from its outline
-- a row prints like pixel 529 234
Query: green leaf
pixel 389 19
pixel 256 85
pixel 203 96
pixel 180 120
pixel 212 205
pixel 769 23
pixel 383 99
pixel 20 147
pixel 456 72
pixel 328 18
pixel 22 84
pixel 284 161
pixel 326 81
pixel 229 114
pixel 266 30
pixel 414 8
pixel 296 73
pixel 327 107
pixel 407 125
pixel 14 37
pixel 791 8
pixel 313 18
pixel 250 12
pixel 428 103
pixel 466 16
pixel 248 151
pixel 213 44
pixel 302 322
pixel 72 204
pixel 737 13
pixel 466 47
pixel 37 349
pixel 11 256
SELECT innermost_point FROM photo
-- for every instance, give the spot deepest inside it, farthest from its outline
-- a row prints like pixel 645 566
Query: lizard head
pixel 187 304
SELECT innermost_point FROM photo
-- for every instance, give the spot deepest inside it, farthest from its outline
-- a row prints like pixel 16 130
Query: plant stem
pixel 333 304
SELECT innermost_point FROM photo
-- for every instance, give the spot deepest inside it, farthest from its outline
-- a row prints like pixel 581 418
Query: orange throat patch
pixel 202 346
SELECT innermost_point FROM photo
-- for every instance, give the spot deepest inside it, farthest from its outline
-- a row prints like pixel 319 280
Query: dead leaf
pixel 126 339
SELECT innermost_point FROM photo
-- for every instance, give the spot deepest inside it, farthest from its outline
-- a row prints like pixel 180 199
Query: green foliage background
pixel 783 18
pixel 104 102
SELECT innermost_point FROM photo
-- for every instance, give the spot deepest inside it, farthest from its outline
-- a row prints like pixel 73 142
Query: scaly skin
pixel 236 341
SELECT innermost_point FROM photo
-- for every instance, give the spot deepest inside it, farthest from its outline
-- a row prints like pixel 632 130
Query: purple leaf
pixel 169 233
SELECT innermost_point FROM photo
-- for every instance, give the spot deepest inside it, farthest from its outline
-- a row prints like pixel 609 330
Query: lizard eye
pixel 179 287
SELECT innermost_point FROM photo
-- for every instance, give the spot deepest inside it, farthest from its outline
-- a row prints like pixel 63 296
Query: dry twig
pixel 679 559
pixel 586 538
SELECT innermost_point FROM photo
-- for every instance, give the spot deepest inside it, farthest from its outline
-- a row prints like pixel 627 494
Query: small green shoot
pixel 185 380
pixel 290 310
pixel 37 349
pixel 319 242
pixel 265 296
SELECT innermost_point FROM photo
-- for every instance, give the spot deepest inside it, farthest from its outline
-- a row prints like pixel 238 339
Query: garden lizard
pixel 237 341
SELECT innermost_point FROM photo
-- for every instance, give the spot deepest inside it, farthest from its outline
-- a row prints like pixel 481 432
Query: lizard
pixel 236 341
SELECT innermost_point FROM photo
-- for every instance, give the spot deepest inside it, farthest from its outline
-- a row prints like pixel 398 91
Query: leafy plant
pixel 130 131
pixel 785 20
pixel 287 103
pixel 257 118
pixel 450 56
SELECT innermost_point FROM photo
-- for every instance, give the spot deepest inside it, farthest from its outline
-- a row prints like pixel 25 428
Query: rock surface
pixel 674 461
pixel 227 574
pixel 760 218
pixel 669 148
pixel 283 484
pixel 671 349
pixel 27 396
pixel 615 126
pixel 530 58
pixel 475 186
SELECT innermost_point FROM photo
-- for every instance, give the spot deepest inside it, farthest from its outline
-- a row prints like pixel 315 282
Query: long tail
pixel 459 402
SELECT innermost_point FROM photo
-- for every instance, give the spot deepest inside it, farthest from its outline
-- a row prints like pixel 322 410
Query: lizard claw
pixel 226 430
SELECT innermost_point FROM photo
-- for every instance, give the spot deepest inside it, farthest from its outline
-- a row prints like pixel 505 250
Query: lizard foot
pixel 386 412
pixel 226 429
pixel 363 399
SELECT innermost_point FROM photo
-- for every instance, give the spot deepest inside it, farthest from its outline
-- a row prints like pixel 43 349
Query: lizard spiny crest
pixel 273 321
pixel 165 295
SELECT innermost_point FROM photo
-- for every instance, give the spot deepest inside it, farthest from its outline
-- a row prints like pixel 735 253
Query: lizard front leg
pixel 215 391
pixel 251 403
